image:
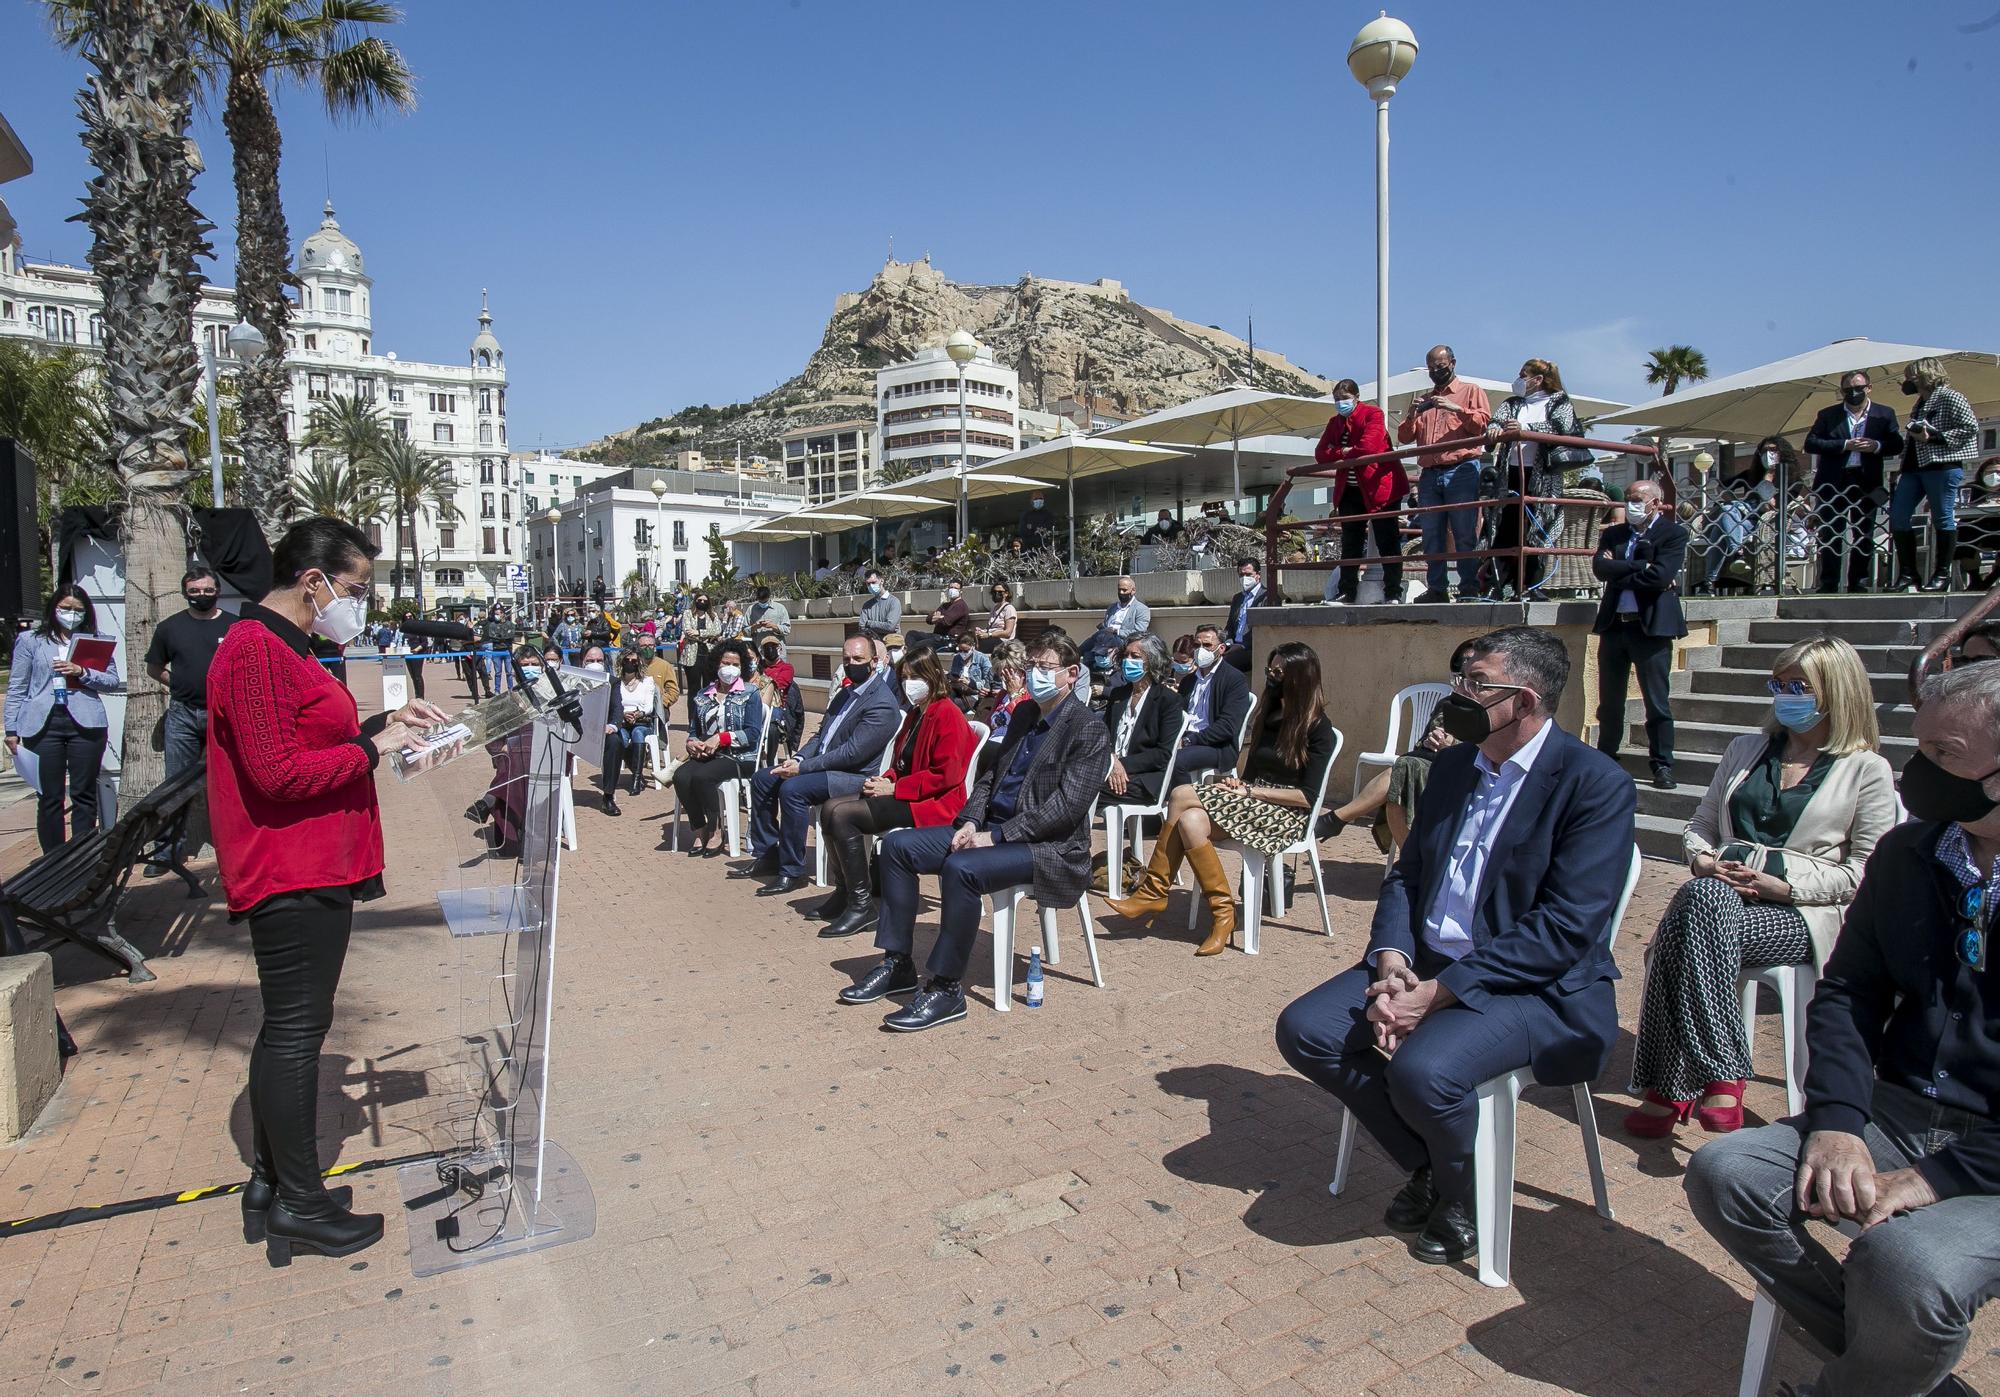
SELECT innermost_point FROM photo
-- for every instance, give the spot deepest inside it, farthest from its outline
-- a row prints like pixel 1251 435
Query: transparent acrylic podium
pixel 498 1186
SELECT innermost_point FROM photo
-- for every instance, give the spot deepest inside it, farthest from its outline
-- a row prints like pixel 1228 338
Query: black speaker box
pixel 20 540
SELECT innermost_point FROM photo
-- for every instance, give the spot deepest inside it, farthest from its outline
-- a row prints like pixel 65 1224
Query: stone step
pixel 1745 713
pixel 1659 838
pixel 1705 742
pixel 1894 606
pixel 1697 768
pixel 1858 632
pixel 1878 659
pixel 1753 683
pixel 1677 805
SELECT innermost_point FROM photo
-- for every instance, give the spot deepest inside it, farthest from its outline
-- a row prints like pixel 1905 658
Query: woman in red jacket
pixel 298 837
pixel 924 786
pixel 1356 429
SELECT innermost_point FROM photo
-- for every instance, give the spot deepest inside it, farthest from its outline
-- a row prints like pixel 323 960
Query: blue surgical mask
pixel 1043 686
pixel 875 589
pixel 1183 667
pixel 531 673
pixel 1800 714
pixel 1343 406
pixel 1134 670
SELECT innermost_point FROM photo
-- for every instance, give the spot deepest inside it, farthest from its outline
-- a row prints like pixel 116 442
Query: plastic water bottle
pixel 1035 978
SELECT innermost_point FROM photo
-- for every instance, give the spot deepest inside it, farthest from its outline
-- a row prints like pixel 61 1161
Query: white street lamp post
pixel 245 340
pixel 962 348
pixel 1380 57
pixel 659 527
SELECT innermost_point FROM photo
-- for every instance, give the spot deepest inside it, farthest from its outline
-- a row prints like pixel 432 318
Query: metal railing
pixel 1939 650
pixel 1516 563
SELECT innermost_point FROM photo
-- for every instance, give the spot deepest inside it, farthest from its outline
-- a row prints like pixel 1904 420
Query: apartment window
pixel 485 472
pixel 315 385
pixel 1992 439
pixel 339 299
pixel 441 431
pixel 680 533
pixel 486 434
pixel 444 402
pixel 402 426
pixel 486 540
pixel 449 577
pixel 506 540
pixel 364 389
pixel 578 480
pixel 534 504
pixel 486 505
pixel 506 506
pixel 527 477
pixel 486 400
pixel 312 341
pixel 680 570
pixel 306 297
pixel 447 538
pixel 395 393
pixel 364 344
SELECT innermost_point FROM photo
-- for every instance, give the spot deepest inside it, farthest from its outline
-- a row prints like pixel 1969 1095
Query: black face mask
pixel 1854 396
pixel 1442 376
pixel 201 605
pixel 1469 720
pixel 1931 793
pixel 857 673
pixel 1909 388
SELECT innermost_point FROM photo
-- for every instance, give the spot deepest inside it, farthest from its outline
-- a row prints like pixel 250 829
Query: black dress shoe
pixel 893 975
pixel 1411 1208
pixel 1449 1236
pixel 1328 825
pixel 1432 595
pixel 784 887
pixel 765 866
pixel 939 1002
pixel 260 1193
pixel 1663 778
pixel 330 1231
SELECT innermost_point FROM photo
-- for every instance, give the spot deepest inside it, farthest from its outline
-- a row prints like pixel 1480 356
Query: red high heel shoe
pixel 1720 1120
pixel 1648 1126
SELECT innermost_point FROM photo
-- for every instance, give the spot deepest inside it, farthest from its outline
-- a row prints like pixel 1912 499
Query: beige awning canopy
pixel 1069 458
pixel 1405 387
pixel 1231 415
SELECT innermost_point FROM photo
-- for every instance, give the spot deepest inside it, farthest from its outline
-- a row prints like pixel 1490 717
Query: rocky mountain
pixel 1065 338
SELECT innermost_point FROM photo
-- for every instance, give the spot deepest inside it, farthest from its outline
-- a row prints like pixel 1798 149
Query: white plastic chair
pixel 658 752
pixel 1261 872
pixel 1202 778
pixel 1794 985
pixel 1420 699
pixel 1493 1146
pixel 733 795
pixel 1005 906
pixel 819 833
pixel 1761 1346
pixel 1116 817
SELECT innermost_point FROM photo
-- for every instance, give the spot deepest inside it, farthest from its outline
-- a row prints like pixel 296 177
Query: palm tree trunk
pixel 263 255
pixel 145 238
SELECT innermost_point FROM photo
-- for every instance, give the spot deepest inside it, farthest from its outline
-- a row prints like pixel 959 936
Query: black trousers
pixel 696 782
pixel 300 940
pixel 845 816
pixel 70 758
pixel 1388 543
pixel 415 665
pixel 1620 650
pixel 1842 510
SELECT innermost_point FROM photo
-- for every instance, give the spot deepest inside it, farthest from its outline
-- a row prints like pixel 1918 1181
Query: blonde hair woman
pixel 1940 441
pixel 1777 848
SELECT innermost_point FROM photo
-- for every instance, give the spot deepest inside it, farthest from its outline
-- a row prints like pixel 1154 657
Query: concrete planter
pixel 1094 593
pixel 1220 586
pixel 1169 588
pixel 844 606
pixel 923 601
pixel 819 608
pixel 1045 596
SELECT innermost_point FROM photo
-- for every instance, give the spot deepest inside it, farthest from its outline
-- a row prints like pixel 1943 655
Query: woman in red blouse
pixel 291 802
pixel 1356 429
pixel 924 786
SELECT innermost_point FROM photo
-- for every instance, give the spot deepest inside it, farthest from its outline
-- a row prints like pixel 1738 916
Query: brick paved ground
pixel 783 1189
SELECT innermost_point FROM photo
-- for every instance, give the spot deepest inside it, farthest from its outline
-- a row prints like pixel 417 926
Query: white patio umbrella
pixel 1782 398
pixel 1231 415
pixel 1069 456
pixel 1407 386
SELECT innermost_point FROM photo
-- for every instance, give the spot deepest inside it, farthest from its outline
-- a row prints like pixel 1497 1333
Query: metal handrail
pixel 1954 636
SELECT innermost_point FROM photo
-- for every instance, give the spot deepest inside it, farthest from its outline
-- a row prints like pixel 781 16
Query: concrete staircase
pixel 1720 693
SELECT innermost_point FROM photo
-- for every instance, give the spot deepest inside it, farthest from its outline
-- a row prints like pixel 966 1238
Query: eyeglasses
pixel 1788 688
pixel 1970 943
pixel 346 589
pixel 1479 688
pixel 1047 669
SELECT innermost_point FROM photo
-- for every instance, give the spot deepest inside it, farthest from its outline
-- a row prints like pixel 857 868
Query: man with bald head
pixel 1450 410
pixel 1639 561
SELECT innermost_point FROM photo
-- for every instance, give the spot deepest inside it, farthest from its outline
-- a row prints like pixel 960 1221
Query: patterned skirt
pixel 1250 820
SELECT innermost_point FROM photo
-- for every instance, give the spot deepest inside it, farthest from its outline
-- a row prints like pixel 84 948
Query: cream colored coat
pixel 1852 809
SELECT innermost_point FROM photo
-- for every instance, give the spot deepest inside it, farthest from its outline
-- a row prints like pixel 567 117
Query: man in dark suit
pixel 1027 821
pixel 1638 620
pixel 1218 699
pixel 1849 442
pixel 861 718
pixel 1236 630
pixel 1488 949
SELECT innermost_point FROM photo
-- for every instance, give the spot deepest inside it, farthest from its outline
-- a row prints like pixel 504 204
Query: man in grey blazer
pixel 1027 821
pixel 861 718
pixel 1123 619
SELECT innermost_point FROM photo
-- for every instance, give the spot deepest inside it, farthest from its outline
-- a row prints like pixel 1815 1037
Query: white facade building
pixel 916 413
pixel 547 479
pixel 832 459
pixel 454 411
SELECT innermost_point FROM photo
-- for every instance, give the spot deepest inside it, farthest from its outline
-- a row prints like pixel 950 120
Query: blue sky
pixel 665 198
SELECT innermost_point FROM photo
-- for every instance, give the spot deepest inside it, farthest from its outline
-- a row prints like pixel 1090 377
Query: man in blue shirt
pixel 1027 821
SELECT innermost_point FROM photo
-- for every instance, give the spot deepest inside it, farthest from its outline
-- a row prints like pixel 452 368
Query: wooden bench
pixel 72 892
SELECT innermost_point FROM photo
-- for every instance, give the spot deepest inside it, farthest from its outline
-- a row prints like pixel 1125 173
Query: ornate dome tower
pixel 333 288
pixel 485 345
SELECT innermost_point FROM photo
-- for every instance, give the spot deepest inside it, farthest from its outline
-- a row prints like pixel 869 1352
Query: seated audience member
pixel 1001 621
pixel 923 787
pixel 778 683
pixel 1126 617
pixel 1777 848
pixel 1083 688
pixel 837 760
pixel 1218 700
pixel 1236 630
pixel 970 677
pixel 1010 673
pixel 1268 808
pixel 665 678
pixel 953 618
pixel 1027 821
pixel 1901 1132
pixel 1183 652
pixel 1143 716
pixel 1981 643
pixel 1166 529
pixel 1488 948
pixel 725 723
pixel 635 703
pixel 1391 796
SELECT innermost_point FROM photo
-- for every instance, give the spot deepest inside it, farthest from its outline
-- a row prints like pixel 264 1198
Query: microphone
pixel 439 630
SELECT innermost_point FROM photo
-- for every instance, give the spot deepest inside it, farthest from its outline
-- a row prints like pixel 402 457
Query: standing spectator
pixel 415 648
pixel 733 626
pixel 725 727
pixel 1777 848
pixel 1452 410
pixel 1357 429
pixel 1902 1089
pixel 1487 952
pixel 1143 716
pixel 568 634
pixel 183 645
pixel 1745 499
pixel 53 706
pixel 1000 621
pixel 1218 700
pixel 1849 442
pixel 954 618
pixel 882 613
pixel 971 675
pixel 701 629
pixel 611 754
pixel 1236 631
pixel 471 664
pixel 1533 470
pixel 1027 821
pixel 1126 617
pixel 1037 523
pixel 769 617
pixel 497 636
pixel 1638 620
pixel 1941 440
pixel 1166 529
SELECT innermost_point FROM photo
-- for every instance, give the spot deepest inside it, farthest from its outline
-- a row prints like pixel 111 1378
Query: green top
pixel 1763 812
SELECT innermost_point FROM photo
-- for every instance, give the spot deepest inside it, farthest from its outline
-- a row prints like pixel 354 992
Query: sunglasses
pixel 1788 688
pixel 1970 942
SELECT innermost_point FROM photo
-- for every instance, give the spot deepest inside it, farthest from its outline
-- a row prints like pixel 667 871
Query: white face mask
pixel 951 593
pixel 1204 658
pixel 916 691
pixel 895 655
pixel 594 666
pixel 1249 584
pixel 726 675
pixel 69 620
pixel 1635 511
pixel 343 619
pixel 1770 458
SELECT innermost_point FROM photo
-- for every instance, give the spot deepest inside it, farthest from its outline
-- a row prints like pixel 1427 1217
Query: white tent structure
pixel 1231 415
pixel 1405 387
pixel 1067 457
pixel 1782 398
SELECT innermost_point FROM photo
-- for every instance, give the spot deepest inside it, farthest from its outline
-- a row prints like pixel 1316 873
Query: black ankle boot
pixel 1941 561
pixel 1906 560
pixel 1328 825
pixel 260 1193
pixel 328 1229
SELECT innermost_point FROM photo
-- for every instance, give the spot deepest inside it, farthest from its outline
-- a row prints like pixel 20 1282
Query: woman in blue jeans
pixel 1941 440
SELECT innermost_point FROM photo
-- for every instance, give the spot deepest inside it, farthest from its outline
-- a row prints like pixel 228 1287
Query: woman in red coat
pixel 1356 429
pixel 298 837
pixel 924 786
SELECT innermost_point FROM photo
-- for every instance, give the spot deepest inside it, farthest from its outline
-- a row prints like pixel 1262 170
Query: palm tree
pixel 1675 364
pixel 145 237
pixel 349 428
pixel 339 491
pixel 50 403
pixel 413 484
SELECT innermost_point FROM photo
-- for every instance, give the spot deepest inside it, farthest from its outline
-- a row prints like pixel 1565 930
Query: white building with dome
pixel 454 411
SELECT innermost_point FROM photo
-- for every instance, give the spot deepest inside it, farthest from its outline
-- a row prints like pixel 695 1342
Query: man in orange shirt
pixel 1451 410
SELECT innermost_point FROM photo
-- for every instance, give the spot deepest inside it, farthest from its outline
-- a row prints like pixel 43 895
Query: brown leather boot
pixel 1207 866
pixel 1149 899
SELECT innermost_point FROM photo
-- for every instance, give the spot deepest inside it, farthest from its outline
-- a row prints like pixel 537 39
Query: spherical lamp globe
pixel 1382 55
